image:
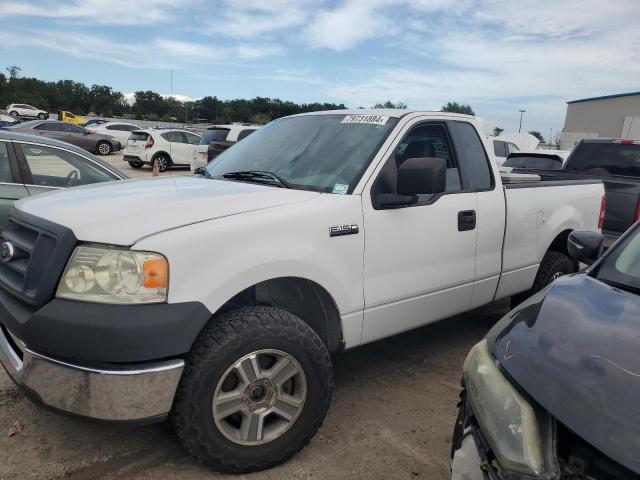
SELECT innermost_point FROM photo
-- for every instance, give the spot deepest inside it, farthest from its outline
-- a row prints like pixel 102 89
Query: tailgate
pixel 622 201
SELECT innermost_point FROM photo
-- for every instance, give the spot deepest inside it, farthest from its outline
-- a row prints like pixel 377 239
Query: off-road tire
pixel 103 148
pixel 226 339
pixel 553 264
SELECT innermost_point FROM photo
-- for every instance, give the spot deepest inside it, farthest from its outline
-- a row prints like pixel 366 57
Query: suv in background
pixel 17 110
pixel 119 130
pixel 169 147
pixel 216 140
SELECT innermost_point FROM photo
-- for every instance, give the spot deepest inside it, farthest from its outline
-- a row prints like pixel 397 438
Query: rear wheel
pixel 41 116
pixel 164 162
pixel 553 266
pixel 255 389
pixel 103 148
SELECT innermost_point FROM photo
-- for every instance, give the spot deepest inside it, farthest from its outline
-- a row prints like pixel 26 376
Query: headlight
pixel 506 418
pixel 114 275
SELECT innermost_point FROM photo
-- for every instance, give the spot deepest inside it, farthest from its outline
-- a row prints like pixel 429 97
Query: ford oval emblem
pixel 6 251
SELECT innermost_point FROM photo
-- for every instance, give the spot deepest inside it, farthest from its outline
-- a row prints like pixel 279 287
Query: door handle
pixel 466 220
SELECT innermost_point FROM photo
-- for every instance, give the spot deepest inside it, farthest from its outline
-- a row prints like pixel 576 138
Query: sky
pixel 498 56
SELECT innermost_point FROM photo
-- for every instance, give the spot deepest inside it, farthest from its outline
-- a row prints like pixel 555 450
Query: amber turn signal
pixel 156 272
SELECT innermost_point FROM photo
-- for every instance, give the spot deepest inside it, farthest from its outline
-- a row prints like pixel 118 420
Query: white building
pixel 611 116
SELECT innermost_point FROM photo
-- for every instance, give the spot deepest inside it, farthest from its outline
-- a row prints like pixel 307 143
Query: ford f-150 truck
pixel 318 233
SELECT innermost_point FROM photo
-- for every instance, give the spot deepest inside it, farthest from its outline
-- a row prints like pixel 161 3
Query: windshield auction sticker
pixel 366 119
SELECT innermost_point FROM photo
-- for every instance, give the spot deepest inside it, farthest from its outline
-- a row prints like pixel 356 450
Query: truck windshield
pixel 325 153
pixel 622 267
pixel 605 159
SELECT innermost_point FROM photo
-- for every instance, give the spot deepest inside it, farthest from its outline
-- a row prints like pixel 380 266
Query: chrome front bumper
pixel 128 393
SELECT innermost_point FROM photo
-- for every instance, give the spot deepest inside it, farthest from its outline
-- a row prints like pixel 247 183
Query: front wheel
pixel 135 164
pixel 14 114
pixel 103 148
pixel 255 389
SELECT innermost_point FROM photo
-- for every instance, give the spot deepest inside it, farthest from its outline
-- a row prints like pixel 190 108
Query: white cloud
pixel 349 24
pixel 107 12
pixel 253 19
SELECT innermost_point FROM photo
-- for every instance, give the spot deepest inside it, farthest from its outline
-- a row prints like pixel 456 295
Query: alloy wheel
pixel 259 397
pixel 104 149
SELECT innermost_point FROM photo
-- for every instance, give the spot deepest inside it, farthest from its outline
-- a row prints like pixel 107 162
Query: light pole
pixel 520 127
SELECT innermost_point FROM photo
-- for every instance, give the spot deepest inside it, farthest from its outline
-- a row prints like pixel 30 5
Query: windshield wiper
pixel 258 176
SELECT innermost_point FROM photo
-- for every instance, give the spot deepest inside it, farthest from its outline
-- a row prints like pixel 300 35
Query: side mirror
pixel 585 246
pixel 422 176
pixel 416 176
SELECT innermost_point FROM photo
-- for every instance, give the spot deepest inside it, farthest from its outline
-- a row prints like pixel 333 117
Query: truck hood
pixel 121 213
pixel 575 351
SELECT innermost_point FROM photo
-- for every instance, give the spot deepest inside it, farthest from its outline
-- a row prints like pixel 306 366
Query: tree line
pixel 102 100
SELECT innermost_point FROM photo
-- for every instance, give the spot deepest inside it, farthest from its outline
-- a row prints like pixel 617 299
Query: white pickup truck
pixel 217 299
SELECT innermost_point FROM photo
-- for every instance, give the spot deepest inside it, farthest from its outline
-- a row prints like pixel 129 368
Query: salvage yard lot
pixel 392 416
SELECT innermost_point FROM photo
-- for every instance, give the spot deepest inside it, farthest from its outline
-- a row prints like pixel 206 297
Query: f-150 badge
pixel 339 230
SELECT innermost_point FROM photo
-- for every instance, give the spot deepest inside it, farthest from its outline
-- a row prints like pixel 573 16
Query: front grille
pixel 40 252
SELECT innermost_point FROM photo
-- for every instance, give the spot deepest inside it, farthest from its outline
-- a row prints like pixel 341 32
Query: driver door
pixel 419 260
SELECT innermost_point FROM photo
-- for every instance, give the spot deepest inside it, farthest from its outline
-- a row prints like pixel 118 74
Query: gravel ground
pixel 392 416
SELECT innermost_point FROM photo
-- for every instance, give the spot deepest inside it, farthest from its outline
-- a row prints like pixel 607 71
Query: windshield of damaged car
pixel 325 153
pixel 622 266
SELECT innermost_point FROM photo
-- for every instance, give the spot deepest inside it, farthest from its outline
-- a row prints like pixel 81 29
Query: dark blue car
pixel 553 391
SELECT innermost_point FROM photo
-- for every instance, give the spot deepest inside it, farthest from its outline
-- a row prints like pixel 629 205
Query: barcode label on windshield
pixel 366 119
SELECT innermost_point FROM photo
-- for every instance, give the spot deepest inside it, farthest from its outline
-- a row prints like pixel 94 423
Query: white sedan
pixel 118 130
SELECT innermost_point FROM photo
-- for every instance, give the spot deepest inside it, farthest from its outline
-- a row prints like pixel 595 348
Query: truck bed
pixel 537 213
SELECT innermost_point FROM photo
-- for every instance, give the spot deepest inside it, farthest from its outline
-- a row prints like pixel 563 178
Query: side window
pixel 192 139
pixel 476 169
pixel 53 167
pixel 430 140
pixel 129 128
pixel 499 148
pixel 245 133
pixel 71 128
pixel 5 167
pixel 175 137
pixel 46 126
pixel 113 127
pixel 512 147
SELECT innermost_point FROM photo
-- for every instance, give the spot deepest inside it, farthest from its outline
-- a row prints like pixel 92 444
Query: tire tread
pixel 234 327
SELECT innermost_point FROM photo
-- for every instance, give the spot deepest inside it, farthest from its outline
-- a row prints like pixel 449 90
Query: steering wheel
pixel 72 177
